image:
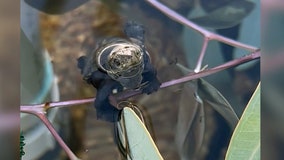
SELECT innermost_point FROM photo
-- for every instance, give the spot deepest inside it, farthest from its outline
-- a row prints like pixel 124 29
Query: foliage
pixel 196 96
pixel 212 15
pixel 245 142
pixel 135 137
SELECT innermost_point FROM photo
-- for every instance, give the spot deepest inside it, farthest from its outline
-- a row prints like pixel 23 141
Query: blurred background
pixel 9 79
pixel 272 63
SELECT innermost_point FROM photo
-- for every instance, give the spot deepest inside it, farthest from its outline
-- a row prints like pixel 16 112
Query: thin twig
pixel 201 55
pixel 50 127
pixel 129 93
pixel 72 102
pixel 210 35
pixel 48 105
pixel 192 76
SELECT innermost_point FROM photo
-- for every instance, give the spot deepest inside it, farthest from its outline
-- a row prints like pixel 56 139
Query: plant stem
pixel 192 76
pixel 50 127
pixel 201 55
pixel 37 108
pixel 219 68
pixel 207 34
pixel 40 108
pixel 72 102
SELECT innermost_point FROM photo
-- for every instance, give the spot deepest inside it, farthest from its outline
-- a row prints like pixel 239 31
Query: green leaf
pixel 225 16
pixel 214 98
pixel 191 123
pixel 197 95
pixel 218 102
pixel 245 142
pixel 136 138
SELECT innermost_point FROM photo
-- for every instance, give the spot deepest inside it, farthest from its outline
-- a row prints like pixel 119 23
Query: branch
pixel 202 54
pixel 42 108
pixel 207 34
pixel 192 76
pixel 50 127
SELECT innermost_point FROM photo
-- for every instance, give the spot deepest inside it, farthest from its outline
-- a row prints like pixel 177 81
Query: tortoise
pixel 119 63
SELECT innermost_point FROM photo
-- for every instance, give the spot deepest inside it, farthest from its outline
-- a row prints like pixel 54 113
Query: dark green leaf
pixel 212 96
pixel 225 16
pixel 55 6
pixel 191 123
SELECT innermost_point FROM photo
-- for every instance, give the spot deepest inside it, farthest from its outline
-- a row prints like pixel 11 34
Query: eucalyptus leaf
pixel 245 142
pixel 228 15
pixel 55 6
pixel 190 123
pixel 136 138
pixel 212 96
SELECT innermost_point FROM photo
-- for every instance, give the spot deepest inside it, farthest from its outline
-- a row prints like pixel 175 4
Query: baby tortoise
pixel 118 63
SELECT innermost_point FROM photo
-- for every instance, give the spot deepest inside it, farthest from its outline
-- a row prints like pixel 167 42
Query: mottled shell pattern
pixel 119 58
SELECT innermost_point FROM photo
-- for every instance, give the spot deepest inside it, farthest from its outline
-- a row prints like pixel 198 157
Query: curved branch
pixel 192 76
pixel 210 35
pixel 130 93
pixel 50 127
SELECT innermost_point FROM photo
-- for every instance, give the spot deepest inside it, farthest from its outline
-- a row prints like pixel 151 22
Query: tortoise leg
pixel 105 111
pixel 81 62
pixel 134 30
